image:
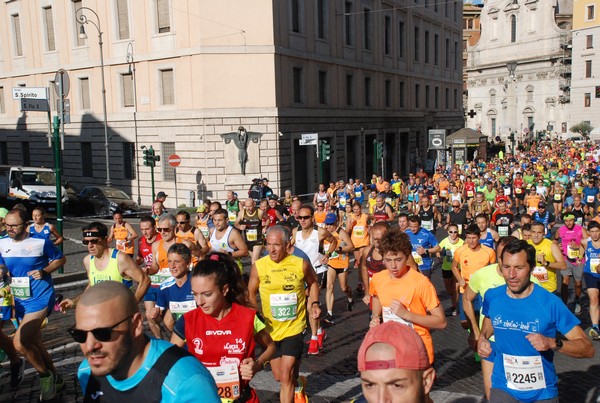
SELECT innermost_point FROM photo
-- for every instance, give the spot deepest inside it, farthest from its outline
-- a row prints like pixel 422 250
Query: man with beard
pixel 122 364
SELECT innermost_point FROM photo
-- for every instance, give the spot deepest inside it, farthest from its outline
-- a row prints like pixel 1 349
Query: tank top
pixel 532 203
pixel 380 214
pixel 426 217
pixel 282 295
pixel 145 249
pixel 164 273
pixel 488 240
pixel 579 214
pixel 43 234
pixel 253 231
pixel 232 210
pixel 592 259
pixel 546 276
pixel 322 197
pixel 186 236
pixel 123 244
pixel 310 246
pixel 222 345
pixel 456 197
pixel 373 265
pixel 202 225
pixel 360 231
pixel 109 273
pixel 567 236
pixel 337 260
pixel 216 245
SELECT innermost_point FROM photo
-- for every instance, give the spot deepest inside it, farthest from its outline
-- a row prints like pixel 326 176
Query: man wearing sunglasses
pixel 122 364
pixel 104 263
pixel 30 262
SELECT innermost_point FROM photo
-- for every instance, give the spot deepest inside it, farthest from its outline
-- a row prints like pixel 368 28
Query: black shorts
pixel 447 273
pixel 291 346
pixel 520 196
pixel 591 281
pixel 339 271
pixel 252 244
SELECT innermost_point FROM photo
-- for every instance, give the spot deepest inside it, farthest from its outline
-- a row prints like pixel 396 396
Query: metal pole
pixel 108 182
pixel 320 178
pixel 137 163
pixel 57 171
pixel 175 176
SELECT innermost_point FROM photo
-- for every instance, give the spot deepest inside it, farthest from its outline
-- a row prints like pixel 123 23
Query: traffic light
pixel 511 137
pixel 150 156
pixel 378 150
pixel 325 151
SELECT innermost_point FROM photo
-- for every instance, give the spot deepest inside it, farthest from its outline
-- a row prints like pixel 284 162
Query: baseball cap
pixel 330 218
pixel 201 209
pixel 410 350
pixel 3 212
pixel 541 204
pixel 160 195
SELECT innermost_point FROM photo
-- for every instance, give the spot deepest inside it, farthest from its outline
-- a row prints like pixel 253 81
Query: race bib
pixel 524 373
pixel 459 228
pixel 388 316
pixel 388 200
pixel 205 231
pixel 503 230
pixel 343 202
pixel 557 197
pixel 252 234
pixel 227 378
pixel 506 191
pixel 428 225
pixel 20 287
pixel 470 193
pixel 121 244
pixel 519 191
pixel 572 253
pixel 160 276
pixel 418 258
pixel 443 193
pixel 594 263
pixel 579 221
pixel 359 231
pixel 449 255
pixel 232 216
pixel 532 210
pixel 541 273
pixel 590 199
pixel 284 307
pixel 178 308
pixel 358 194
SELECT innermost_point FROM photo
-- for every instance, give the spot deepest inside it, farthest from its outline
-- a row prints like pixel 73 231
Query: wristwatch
pixel 559 344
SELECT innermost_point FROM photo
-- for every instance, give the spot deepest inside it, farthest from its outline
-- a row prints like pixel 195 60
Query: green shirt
pixel 448 249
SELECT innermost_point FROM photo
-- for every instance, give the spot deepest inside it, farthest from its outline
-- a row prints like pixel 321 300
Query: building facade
pixel 471 34
pixel 519 72
pixel 185 76
pixel 585 87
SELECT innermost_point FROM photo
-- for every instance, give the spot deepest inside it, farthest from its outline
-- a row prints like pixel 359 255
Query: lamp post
pixel 131 64
pixel 82 20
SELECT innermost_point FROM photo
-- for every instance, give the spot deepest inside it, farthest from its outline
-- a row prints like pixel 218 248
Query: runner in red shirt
pixel 222 332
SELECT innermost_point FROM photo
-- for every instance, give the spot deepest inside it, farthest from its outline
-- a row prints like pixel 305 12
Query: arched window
pixel 513 28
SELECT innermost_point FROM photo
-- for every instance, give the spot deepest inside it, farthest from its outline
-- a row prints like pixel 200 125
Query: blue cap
pixel 330 218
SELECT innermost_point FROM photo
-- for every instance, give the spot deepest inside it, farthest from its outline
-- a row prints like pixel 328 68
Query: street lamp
pixel 131 63
pixel 82 19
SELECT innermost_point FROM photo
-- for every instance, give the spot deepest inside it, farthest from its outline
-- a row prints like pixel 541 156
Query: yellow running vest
pixel 545 275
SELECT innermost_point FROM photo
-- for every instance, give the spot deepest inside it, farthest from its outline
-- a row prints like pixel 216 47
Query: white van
pixel 31 186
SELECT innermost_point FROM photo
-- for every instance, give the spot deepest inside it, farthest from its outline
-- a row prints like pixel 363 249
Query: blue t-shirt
pixel 170 292
pixel 25 256
pixel 187 380
pixel 591 253
pixel 541 312
pixel 425 239
pixel 589 192
pixel 43 234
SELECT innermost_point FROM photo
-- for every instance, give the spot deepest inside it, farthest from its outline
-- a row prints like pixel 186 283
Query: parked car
pixel 104 201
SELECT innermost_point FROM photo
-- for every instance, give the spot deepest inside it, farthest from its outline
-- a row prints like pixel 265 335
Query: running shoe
pixel 59 382
pixel 594 333
pixel 313 347
pixel 321 337
pixel 17 373
pixel 47 387
pixel 577 309
pixel 299 391
pixel 329 319
pixel 350 305
pixel 58 300
pixel 360 290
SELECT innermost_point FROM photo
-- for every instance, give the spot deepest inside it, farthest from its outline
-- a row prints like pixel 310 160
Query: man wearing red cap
pixel 393 354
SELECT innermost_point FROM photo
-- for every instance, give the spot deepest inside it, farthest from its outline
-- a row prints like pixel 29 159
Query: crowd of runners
pixel 507 236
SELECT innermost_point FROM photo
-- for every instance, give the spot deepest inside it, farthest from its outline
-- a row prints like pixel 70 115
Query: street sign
pixel 30 92
pixel 174 160
pixel 65 82
pixel 303 142
pixel 437 139
pixel 36 105
pixel 310 137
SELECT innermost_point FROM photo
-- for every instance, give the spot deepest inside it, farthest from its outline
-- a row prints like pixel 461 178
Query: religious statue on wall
pixel 241 139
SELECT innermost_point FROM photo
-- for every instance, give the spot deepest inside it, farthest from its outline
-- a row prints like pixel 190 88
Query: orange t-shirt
pixel 470 260
pixel 414 290
pixel 320 218
pixel 381 186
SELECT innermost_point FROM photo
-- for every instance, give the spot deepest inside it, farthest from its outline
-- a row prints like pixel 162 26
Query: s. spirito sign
pixel 30 92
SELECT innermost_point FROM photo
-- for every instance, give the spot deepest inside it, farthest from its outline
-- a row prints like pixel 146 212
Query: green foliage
pixel 583 128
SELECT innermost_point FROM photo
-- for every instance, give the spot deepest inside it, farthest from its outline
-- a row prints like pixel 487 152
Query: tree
pixel 583 128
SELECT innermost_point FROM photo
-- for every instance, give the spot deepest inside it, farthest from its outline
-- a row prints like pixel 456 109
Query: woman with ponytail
pixel 223 331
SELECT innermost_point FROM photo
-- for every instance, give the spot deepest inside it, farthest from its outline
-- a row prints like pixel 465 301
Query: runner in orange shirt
pixel 403 295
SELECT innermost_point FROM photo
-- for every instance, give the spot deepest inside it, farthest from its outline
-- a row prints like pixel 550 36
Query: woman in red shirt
pixel 223 331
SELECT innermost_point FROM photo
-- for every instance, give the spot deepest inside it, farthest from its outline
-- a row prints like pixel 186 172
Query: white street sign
pixel 303 142
pixel 310 136
pixel 30 92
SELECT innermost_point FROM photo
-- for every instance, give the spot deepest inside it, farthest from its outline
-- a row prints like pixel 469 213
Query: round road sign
pixel 65 82
pixel 174 160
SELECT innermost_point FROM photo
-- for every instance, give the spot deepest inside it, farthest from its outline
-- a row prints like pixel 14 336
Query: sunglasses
pixel 183 222
pixel 453 232
pixel 159 229
pixel 92 241
pixel 304 217
pixel 100 333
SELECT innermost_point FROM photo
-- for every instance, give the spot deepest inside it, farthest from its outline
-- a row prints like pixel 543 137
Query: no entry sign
pixel 174 160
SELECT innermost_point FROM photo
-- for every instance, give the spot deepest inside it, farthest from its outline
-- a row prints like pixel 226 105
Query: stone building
pixel 519 71
pixel 180 74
